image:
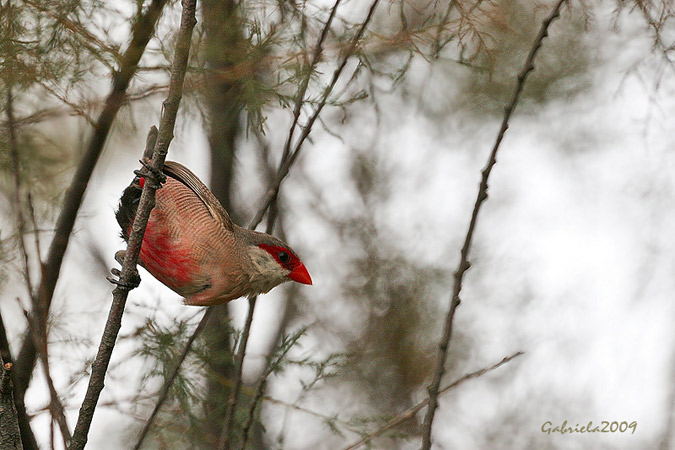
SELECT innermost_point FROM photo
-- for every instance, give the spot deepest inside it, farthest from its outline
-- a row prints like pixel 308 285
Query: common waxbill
pixel 193 247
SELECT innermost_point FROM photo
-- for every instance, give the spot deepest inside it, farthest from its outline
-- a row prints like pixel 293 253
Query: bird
pixel 193 247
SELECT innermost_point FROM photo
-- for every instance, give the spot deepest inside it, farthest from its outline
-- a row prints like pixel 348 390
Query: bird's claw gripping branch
pixel 156 175
pixel 133 283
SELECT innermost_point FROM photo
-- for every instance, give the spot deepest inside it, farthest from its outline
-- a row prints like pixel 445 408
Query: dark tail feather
pixel 126 211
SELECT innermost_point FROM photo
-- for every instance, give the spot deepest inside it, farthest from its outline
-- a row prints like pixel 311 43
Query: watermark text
pixel 605 426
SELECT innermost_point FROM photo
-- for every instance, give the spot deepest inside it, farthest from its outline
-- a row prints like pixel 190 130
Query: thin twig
pixel 82 32
pixel 286 163
pixel 36 230
pixel 142 31
pixel 657 28
pixel 239 362
pixel 38 320
pixel 302 90
pixel 437 47
pixel 56 408
pixel 480 199
pixel 273 362
pixel 324 417
pixel 287 160
pixel 413 410
pixel 77 109
pixel 113 323
pixel 269 170
pixel 55 112
pixel 164 393
pixel 14 156
pixel 259 394
pixel 146 203
pixel 233 398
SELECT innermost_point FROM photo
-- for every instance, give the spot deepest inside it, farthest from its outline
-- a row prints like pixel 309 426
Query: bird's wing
pixel 189 179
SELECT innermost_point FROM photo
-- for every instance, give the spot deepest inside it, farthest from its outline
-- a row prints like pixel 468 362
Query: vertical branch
pixel 10 436
pixel 464 263
pixel 23 419
pixel 142 31
pixel 248 427
pixel 27 436
pixel 233 398
pixel 55 406
pixel 225 47
pixel 269 204
pixel 164 393
pixel 147 202
pixel 239 361
pixel 36 233
pixel 286 163
pixel 38 320
pixel 271 366
pixel 302 90
pixel 14 156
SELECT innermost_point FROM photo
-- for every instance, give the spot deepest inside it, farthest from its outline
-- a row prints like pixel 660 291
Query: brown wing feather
pixel 189 179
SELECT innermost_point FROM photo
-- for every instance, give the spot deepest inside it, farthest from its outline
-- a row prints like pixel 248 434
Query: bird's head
pixel 288 263
pixel 274 262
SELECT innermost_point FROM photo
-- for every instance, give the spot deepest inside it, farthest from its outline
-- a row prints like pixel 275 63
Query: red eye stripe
pixel 291 262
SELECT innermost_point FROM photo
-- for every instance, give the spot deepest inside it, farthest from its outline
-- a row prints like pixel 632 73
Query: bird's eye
pixel 283 257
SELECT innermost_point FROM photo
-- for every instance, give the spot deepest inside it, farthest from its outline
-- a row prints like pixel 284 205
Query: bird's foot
pixel 155 175
pixel 134 279
pixel 116 278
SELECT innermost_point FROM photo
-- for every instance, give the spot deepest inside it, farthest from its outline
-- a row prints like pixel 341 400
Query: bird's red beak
pixel 300 275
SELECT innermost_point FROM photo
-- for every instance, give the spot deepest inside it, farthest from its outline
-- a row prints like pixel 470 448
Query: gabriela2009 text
pixel 604 427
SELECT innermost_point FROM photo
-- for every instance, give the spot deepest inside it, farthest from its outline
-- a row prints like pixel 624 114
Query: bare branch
pixel 318 415
pixel 27 436
pixel 287 162
pixel 657 26
pixel 302 90
pixel 38 320
pixel 14 156
pixel 164 393
pixel 239 362
pixel 480 199
pixel 273 362
pixel 36 230
pixel 39 333
pixel 76 109
pixel 56 408
pixel 142 31
pixel 147 202
pixel 413 410
pixel 54 112
pixel 82 32
pixel 10 437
